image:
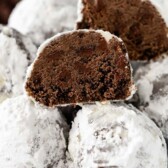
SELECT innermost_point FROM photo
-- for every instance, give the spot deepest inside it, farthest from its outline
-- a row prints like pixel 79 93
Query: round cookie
pixel 152 92
pixel 116 136
pixel 41 19
pixel 31 136
pixel 142 24
pixel 6 7
pixel 80 66
pixel 16 53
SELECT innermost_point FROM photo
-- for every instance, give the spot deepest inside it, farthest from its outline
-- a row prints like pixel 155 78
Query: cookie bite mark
pixel 141 24
pixel 80 66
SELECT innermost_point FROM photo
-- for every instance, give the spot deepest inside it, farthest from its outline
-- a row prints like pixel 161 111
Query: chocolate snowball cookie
pixel 142 24
pixel 80 66
pixel 31 136
pixel 6 7
pixel 115 136
pixel 41 19
pixel 152 92
pixel 17 52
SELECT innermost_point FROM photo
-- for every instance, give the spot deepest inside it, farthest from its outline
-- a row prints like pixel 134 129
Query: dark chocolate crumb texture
pixel 80 66
pixel 137 22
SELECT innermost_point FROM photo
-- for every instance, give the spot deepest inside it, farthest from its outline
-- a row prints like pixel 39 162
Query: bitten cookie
pixel 142 24
pixel 115 136
pixel 80 66
pixel 16 53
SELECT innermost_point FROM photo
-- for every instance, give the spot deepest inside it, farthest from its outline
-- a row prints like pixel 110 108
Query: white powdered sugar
pixel 41 19
pixel 80 8
pixel 31 136
pixel 152 84
pixel 108 36
pixel 162 7
pixel 116 136
pixel 16 53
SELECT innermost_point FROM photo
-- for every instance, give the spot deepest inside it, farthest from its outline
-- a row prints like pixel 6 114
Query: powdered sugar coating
pixel 106 35
pixel 16 53
pixel 115 136
pixel 44 18
pixel 152 84
pixel 31 136
pixel 80 7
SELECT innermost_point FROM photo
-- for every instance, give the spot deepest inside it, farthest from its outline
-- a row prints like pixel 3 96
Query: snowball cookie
pixel 152 90
pixel 16 53
pixel 80 66
pixel 142 24
pixel 115 136
pixel 31 136
pixel 41 19
pixel 6 7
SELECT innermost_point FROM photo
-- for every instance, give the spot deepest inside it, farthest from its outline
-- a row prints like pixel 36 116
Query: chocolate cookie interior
pixel 80 66
pixel 137 22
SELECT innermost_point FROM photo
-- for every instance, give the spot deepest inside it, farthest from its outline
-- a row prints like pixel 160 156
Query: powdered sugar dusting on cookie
pixel 16 54
pixel 152 81
pixel 113 136
pixel 31 136
pixel 41 19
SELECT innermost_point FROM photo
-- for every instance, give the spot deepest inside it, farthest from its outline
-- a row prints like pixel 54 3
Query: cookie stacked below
pixel 115 135
pixel 31 136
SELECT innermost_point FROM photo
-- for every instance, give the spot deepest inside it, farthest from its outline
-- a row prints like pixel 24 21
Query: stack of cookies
pixel 94 94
